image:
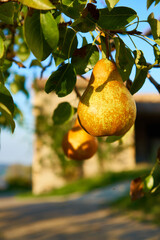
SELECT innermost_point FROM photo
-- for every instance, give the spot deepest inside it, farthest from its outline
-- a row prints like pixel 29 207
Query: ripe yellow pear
pixel 106 107
pixel 79 145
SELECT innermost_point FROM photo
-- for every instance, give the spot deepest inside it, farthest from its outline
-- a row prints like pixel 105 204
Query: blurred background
pixel 33 165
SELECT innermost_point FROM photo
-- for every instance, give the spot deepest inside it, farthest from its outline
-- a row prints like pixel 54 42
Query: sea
pixel 3 169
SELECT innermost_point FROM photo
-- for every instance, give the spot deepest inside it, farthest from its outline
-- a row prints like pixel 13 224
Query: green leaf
pixel 2 79
pixel 116 19
pixel 34 36
pixel 103 47
pixel 149 3
pixel 7 12
pixel 57 16
pixel 72 8
pixel 83 25
pixel 87 22
pixel 111 3
pixel 35 63
pixel 112 139
pixel 156 53
pixel 67 45
pixel 157 1
pixel 155 26
pixel 38 4
pixel 6 105
pixel 157 41
pixel 7 115
pixel 5 65
pixel 85 58
pixel 124 59
pixel 6 98
pixel 19 85
pixel 2 47
pixel 63 113
pixel 50 29
pixel 148 183
pixel 62 81
pixel 138 81
pixel 84 41
pixel 23 52
pixel 18 115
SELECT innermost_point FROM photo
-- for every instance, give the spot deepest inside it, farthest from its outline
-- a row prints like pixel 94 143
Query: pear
pixel 79 145
pixel 106 107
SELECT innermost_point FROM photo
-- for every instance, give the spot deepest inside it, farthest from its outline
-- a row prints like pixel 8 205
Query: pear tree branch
pixel 20 64
pixel 132 32
pixel 44 68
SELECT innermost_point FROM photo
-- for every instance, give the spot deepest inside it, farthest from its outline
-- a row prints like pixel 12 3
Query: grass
pixel 146 209
pixel 89 184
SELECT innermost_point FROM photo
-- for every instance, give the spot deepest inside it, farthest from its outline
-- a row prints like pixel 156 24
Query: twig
pixel 107 45
pixel 20 64
pixel 132 32
pixel 84 78
pixel 153 66
pixel 44 68
pixel 77 92
pixel 153 81
pixel 128 84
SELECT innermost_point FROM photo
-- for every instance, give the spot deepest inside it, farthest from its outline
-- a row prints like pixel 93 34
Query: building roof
pixel 150 98
pixel 148 105
pixel 82 83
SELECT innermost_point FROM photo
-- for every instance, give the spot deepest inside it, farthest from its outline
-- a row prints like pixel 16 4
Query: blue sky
pixel 18 147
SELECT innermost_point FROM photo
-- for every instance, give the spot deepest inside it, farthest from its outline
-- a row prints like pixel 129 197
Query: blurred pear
pixel 77 144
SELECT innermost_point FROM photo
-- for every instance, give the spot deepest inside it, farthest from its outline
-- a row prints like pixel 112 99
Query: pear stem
pixel 132 41
pixel 107 46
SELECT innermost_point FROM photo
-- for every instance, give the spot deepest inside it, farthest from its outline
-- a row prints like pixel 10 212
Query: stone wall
pixel 46 168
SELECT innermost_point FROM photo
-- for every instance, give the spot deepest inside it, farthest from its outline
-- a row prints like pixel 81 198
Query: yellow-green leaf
pixel 38 4
pixel 111 3
pixel 50 29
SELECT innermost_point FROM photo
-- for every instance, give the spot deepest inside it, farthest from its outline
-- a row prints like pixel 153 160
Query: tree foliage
pixel 58 29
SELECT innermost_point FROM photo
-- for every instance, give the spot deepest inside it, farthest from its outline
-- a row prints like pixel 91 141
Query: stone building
pixel 139 144
pixel 147 127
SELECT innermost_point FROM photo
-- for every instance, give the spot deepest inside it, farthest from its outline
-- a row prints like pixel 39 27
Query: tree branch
pixel 77 92
pixel 153 81
pixel 44 68
pixel 153 66
pixel 84 78
pixel 132 32
pixel 20 64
